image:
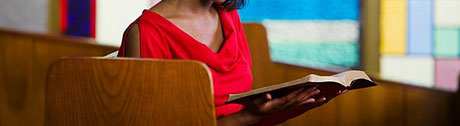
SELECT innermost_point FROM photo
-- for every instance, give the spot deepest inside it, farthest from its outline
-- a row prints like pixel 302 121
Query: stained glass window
pixel 317 33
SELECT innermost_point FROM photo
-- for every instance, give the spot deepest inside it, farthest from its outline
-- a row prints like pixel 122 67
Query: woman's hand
pixel 294 111
pixel 267 105
pixel 267 110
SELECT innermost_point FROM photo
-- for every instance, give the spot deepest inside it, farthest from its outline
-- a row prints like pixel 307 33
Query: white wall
pixel 24 15
pixel 114 16
pixel 417 70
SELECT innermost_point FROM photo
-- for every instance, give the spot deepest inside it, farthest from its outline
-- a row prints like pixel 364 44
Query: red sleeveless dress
pixel 230 66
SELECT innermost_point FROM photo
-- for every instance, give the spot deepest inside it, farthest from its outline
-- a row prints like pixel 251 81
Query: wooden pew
pixel 391 103
pixel 24 61
pixel 129 92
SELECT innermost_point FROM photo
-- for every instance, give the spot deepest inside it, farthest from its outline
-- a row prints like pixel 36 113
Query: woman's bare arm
pixel 132 47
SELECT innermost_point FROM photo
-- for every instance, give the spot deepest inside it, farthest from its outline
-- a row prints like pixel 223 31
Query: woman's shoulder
pixel 150 19
pixel 147 25
pixel 233 14
pixel 143 33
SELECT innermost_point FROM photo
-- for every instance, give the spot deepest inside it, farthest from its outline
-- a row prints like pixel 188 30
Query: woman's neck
pixel 184 7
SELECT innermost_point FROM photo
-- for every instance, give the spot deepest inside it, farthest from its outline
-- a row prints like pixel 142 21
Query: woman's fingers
pixel 267 104
pixel 297 97
pixel 305 95
pixel 273 105
pixel 301 97
pixel 279 103
pixel 291 98
pixel 268 97
pixel 310 100
pixel 344 91
pixel 261 101
pixel 293 94
pixel 322 99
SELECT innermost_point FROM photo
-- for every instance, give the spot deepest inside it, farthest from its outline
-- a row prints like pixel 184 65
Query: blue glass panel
pixel 78 19
pixel 257 10
pixel 420 27
pixel 340 54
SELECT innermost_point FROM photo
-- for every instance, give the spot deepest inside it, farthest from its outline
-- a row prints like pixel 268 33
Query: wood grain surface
pixel 24 61
pixel 123 92
pixel 19 103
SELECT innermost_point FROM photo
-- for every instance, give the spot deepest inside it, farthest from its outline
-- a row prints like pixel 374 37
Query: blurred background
pixel 409 42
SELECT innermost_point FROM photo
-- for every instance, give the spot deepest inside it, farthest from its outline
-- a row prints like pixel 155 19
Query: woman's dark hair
pixel 233 4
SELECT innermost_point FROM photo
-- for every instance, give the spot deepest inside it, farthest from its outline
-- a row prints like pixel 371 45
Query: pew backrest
pixel 128 92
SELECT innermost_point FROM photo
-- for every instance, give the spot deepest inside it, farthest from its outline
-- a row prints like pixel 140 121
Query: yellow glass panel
pixel 393 24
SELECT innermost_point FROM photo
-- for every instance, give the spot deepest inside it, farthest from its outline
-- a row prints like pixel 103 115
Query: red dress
pixel 230 67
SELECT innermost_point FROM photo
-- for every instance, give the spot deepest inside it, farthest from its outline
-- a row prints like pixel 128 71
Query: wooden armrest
pixel 128 92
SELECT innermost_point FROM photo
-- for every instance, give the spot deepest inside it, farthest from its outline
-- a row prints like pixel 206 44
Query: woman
pixel 210 31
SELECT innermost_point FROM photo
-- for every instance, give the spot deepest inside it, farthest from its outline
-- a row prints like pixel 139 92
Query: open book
pixel 329 86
